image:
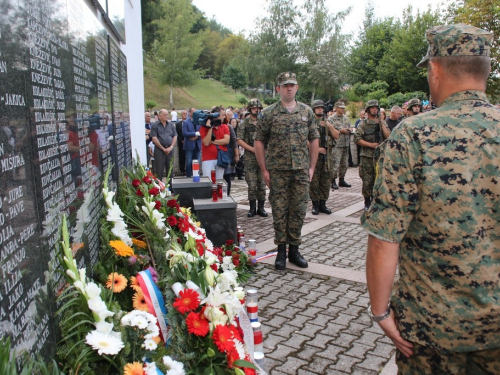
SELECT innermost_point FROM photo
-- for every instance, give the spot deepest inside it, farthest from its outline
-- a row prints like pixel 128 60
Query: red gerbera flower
pixel 188 300
pixel 236 333
pixel 172 203
pixel 222 337
pixel 172 221
pixel 200 248
pixel 139 193
pixel 147 180
pixel 136 183
pixel 197 324
pixel 157 205
pixel 154 191
pixel 249 371
pixel 231 357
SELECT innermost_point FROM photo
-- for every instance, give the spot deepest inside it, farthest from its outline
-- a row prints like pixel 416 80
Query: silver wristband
pixel 378 318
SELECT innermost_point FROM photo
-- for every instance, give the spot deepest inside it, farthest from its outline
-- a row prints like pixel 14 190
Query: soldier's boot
pixel 323 209
pixel 295 257
pixel 261 211
pixel 368 202
pixel 280 262
pixel 334 185
pixel 315 210
pixel 252 211
pixel 343 183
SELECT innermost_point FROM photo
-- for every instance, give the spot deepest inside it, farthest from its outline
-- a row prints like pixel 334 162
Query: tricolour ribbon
pixel 155 302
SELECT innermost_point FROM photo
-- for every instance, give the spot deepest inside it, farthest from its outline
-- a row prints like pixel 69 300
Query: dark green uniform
pixel 368 131
pixel 320 183
pixel 286 135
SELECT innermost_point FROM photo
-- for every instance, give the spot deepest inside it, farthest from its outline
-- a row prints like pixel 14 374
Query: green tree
pixel 233 76
pixel 150 12
pixel 208 55
pixel 398 65
pixel 232 50
pixel 176 48
pixel 484 14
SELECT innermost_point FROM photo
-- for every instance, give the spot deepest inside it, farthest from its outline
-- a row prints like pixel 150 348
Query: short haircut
pixel 215 110
pixel 477 67
pixel 396 108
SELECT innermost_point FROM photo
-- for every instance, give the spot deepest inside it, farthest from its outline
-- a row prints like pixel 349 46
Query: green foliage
pixel 374 90
pixel 150 104
pixel 236 49
pixel 416 94
pixel 398 65
pixel 384 103
pixel 270 100
pixel 233 76
pixel 377 95
pixel 242 99
pixel 396 99
pixel 351 95
pixel 353 108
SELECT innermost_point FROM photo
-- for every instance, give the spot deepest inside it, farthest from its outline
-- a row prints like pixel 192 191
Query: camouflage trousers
pixel 367 174
pixel 322 178
pixel 255 181
pixel 288 197
pixel 340 160
pixel 430 361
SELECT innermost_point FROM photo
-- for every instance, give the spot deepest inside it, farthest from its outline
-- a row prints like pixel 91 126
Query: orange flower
pixel 121 248
pixel 135 368
pixel 134 284
pixel 116 282
pixel 140 302
pixel 140 244
pixel 156 339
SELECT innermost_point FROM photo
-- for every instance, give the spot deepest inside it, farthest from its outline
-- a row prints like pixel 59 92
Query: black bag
pixel 224 158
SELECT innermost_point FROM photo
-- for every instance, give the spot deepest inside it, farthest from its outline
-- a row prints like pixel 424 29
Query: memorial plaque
pixel 115 18
pixel 57 138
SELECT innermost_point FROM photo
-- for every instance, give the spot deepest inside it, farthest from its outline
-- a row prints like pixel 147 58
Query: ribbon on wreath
pixel 247 329
pixel 155 302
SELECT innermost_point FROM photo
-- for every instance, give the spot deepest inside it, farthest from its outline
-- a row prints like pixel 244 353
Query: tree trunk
pixel 274 90
pixel 171 96
pixel 313 94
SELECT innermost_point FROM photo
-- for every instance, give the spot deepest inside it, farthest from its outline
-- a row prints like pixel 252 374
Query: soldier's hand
pixel 267 179
pixel 322 150
pixel 391 330
pixel 322 123
pixel 311 173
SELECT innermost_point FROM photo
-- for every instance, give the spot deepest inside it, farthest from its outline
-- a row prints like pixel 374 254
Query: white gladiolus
pixel 104 327
pixel 92 290
pixel 71 274
pixel 96 304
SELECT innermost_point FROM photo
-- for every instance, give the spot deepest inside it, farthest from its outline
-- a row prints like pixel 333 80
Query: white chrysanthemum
pixel 104 343
pixel 96 304
pixel 104 327
pixel 227 263
pixel 175 368
pixel 139 321
pixel 92 290
pixel 149 344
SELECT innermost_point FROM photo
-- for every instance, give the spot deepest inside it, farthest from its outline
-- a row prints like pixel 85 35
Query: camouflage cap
pixel 456 40
pixel 254 103
pixel 371 103
pixel 317 103
pixel 414 102
pixel 286 77
pixel 340 104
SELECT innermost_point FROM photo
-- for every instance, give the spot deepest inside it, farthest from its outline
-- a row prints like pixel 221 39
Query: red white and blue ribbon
pixel 155 302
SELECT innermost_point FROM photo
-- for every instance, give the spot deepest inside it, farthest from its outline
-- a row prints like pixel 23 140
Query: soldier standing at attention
pixel 436 213
pixel 253 175
pixel 286 127
pixel 414 107
pixel 368 136
pixel 341 151
pixel 319 190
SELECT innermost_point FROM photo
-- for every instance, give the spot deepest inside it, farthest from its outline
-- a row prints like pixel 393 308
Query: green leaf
pixel 244 363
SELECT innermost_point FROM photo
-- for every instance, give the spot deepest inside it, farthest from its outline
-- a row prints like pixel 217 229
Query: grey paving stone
pixel 319 364
pixel 320 341
pixel 345 363
pixel 372 361
pixel 344 340
pixel 271 341
pixel 281 352
pixel 291 365
pixel 383 350
pixel 307 352
pixel 310 329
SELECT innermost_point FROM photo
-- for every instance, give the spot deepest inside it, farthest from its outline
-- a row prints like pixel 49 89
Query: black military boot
pixel 261 211
pixel 368 202
pixel 252 211
pixel 343 183
pixel 323 209
pixel 280 262
pixel 334 185
pixel 295 257
pixel 315 210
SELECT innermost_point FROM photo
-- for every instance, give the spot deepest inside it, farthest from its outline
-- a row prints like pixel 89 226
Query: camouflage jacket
pixel 246 133
pixel 286 135
pixel 325 140
pixel 369 131
pixel 438 196
pixel 341 122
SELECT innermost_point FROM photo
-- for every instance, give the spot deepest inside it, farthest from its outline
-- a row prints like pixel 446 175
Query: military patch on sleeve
pixel 304 118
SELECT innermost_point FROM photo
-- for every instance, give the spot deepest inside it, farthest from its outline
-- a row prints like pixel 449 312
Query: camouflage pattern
pixel 438 196
pixel 317 103
pixel 414 102
pixel 340 104
pixel 457 40
pixel 286 77
pixel 367 172
pixel 286 135
pixel 322 177
pixel 340 160
pixel 341 122
pixel 253 174
pixel 430 361
pixel 288 197
pixel 254 103
pixel 369 131
pixel 371 103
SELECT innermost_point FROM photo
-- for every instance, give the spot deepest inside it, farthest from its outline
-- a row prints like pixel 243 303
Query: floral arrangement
pixel 162 299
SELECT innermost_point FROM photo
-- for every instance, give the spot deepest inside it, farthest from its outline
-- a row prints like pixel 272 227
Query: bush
pixel 150 104
pixel 377 95
pixel 242 99
pixel 351 96
pixel 396 99
pixel 384 103
pixel 270 100
pixel 353 109
pixel 416 94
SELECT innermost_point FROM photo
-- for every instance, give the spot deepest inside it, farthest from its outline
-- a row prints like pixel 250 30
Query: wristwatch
pixel 378 318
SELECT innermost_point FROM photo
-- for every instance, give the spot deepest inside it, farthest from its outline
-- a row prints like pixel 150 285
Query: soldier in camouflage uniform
pixel 436 210
pixel 369 134
pixel 319 190
pixel 286 127
pixel 341 151
pixel 414 107
pixel 253 176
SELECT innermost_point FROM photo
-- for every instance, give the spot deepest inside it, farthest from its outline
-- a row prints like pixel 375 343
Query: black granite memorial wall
pixel 64 118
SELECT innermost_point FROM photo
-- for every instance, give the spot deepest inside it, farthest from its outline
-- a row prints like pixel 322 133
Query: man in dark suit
pixel 180 142
pixel 192 142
